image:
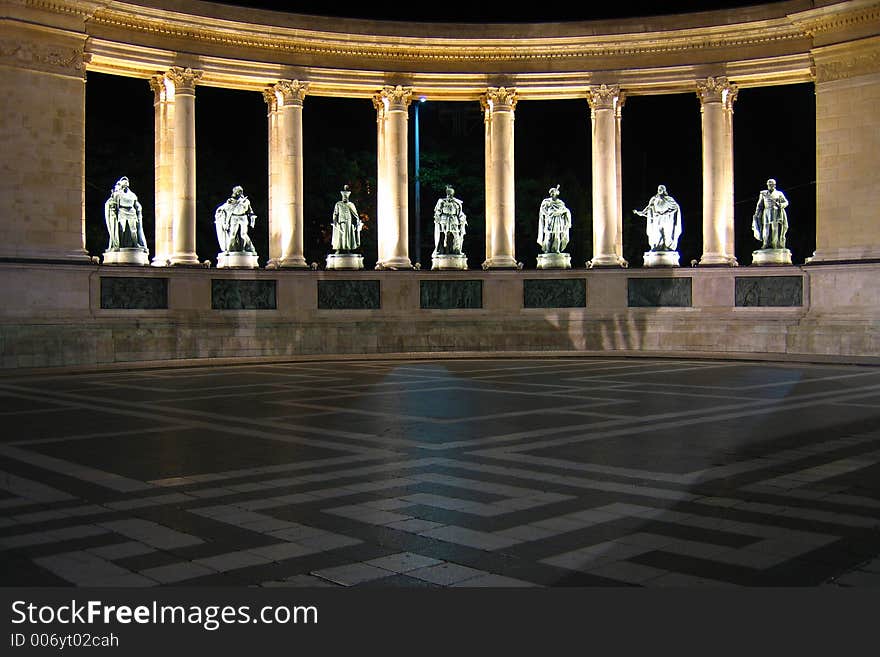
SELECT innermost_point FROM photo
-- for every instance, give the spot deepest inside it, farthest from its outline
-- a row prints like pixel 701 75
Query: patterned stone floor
pixel 490 472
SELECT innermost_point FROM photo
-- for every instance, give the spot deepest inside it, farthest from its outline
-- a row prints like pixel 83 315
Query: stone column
pixel 183 166
pixel 716 106
pixel 43 136
pixel 847 153
pixel 498 105
pixel 392 125
pixel 163 147
pixel 605 115
pixel 285 101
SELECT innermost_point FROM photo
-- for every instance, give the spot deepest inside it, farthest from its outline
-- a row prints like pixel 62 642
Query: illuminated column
pixel 605 114
pixel 499 104
pixel 285 101
pixel 716 107
pixel 392 121
pixel 163 105
pixel 183 166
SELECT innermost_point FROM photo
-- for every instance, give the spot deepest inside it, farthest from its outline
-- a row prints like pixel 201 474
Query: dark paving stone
pixel 179 452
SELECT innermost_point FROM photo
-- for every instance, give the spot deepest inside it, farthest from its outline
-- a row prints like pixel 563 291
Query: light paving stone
pixel 683 580
pixel 351 574
pixel 153 500
pixel 625 571
pixel 414 526
pixel 309 581
pixel 222 563
pixel 121 550
pixel 267 525
pixel 860 578
pixel 329 541
pixel 470 537
pixel 389 504
pixel 646 540
pixel 151 533
pixel 446 574
pixel 403 562
pixel 367 515
pixel 297 532
pixel 525 533
pixel 177 572
pixel 560 524
pixel 282 551
pixel 493 581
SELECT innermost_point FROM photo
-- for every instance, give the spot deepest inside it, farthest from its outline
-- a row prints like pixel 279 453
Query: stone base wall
pixel 94 316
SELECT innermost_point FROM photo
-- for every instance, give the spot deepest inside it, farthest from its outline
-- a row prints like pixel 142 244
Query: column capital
pixel 159 85
pixel 392 97
pixel 498 98
pixel 717 90
pixel 184 79
pixel 285 93
pixel 605 97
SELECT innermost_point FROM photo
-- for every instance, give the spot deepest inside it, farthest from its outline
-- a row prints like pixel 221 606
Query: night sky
pixel 774 136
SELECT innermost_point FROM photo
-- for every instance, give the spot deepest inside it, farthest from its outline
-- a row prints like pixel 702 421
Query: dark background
pixel 774 136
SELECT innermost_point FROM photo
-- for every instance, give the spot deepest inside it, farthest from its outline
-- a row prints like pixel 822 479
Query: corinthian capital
pixel 184 79
pixel 389 97
pixel 605 97
pixel 717 90
pixel 284 93
pixel 498 98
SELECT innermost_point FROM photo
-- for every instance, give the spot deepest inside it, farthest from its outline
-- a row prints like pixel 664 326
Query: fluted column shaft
pixel 716 106
pixel 392 126
pixel 499 104
pixel 163 149
pixel 285 101
pixel 605 116
pixel 183 166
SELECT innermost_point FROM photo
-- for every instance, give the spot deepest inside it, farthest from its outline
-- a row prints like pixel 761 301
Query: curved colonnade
pixel 78 313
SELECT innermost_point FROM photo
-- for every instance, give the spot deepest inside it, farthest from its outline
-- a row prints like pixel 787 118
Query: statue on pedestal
pixel 663 228
pixel 450 226
pixel 769 226
pixel 232 220
pixel 554 224
pixel 346 238
pixel 124 218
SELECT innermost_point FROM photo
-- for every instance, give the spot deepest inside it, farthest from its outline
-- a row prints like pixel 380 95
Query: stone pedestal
pixel 661 258
pixel 449 261
pixel 238 260
pixel 345 261
pixel 127 256
pixel 554 261
pixel 771 257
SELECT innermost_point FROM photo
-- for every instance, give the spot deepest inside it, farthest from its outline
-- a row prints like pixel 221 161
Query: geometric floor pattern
pixel 492 472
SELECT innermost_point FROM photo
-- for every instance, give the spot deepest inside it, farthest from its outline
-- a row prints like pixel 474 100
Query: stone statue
pixel 554 224
pixel 232 220
pixel 346 237
pixel 124 218
pixel 770 223
pixel 450 224
pixel 346 224
pixel 663 225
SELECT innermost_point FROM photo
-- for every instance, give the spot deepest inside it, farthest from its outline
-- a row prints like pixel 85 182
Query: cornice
pixel 426 49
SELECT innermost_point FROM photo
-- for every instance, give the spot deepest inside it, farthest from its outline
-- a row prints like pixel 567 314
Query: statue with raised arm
pixel 123 216
pixel 346 236
pixel 663 228
pixel 663 225
pixel 450 226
